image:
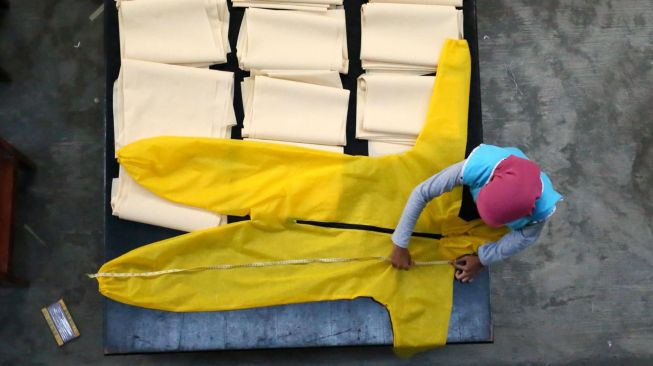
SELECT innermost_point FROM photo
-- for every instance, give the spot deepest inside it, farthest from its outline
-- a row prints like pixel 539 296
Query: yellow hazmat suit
pixel 273 259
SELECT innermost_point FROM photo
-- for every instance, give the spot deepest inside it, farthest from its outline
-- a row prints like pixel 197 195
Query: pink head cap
pixel 511 192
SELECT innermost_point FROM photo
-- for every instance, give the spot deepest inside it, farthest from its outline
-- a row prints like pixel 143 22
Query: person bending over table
pixel 508 189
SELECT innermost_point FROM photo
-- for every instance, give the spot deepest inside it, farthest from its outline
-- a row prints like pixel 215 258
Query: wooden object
pixel 10 160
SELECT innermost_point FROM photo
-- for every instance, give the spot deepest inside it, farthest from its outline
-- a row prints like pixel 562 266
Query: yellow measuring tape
pixel 255 265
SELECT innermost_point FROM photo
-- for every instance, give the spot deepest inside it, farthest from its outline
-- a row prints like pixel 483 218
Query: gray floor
pixel 567 81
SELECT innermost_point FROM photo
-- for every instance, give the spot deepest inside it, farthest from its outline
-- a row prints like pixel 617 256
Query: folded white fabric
pixel 317 77
pixel 287 40
pixel 336 149
pixel 306 5
pixel 380 148
pixel 406 36
pixel 130 201
pixel 392 107
pixel 423 2
pixel 295 111
pixel 183 32
pixel 400 139
pixel 152 99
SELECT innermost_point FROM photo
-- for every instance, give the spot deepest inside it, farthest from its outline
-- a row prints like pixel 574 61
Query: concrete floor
pixel 568 81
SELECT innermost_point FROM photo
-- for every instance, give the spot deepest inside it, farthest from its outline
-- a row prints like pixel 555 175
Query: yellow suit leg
pixel 419 301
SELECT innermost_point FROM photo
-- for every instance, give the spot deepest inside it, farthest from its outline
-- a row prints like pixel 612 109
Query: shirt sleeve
pixel 442 182
pixel 510 244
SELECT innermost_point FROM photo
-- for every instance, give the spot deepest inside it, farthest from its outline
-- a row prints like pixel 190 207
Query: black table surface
pixel 129 329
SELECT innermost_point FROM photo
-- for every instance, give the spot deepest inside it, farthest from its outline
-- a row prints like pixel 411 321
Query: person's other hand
pixel 400 258
pixel 467 267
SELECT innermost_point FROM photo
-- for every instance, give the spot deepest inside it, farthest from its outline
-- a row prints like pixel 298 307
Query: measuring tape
pixel 257 265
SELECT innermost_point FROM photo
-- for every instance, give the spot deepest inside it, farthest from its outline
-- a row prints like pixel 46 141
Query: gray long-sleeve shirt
pixel 510 244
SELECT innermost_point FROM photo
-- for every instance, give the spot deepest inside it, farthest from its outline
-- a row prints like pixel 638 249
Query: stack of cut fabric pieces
pixel 294 94
pixel 406 35
pixel 183 32
pixel 390 110
pixel 293 40
pixel 152 99
pixel 162 90
pixel 299 107
pixel 306 5
pixel 400 41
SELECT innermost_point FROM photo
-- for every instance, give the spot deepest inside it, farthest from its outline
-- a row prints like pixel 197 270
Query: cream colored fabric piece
pixel 183 32
pixel 130 201
pixel 406 36
pixel 376 109
pixel 380 148
pixel 361 134
pixel 394 104
pixel 423 2
pixel 279 6
pixel 308 5
pixel 293 111
pixel 317 77
pixel 336 149
pixel 152 99
pixel 293 40
pixel 400 72
pixel 307 2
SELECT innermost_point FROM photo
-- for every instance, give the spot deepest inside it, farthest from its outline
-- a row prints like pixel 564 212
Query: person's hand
pixel 467 267
pixel 400 258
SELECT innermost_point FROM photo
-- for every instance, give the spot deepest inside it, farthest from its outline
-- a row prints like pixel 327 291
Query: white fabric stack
pixel 293 40
pixel 183 32
pixel 305 5
pixel 304 107
pixel 153 99
pixel 400 40
pixel 406 37
pixel 392 108
pixel 294 94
